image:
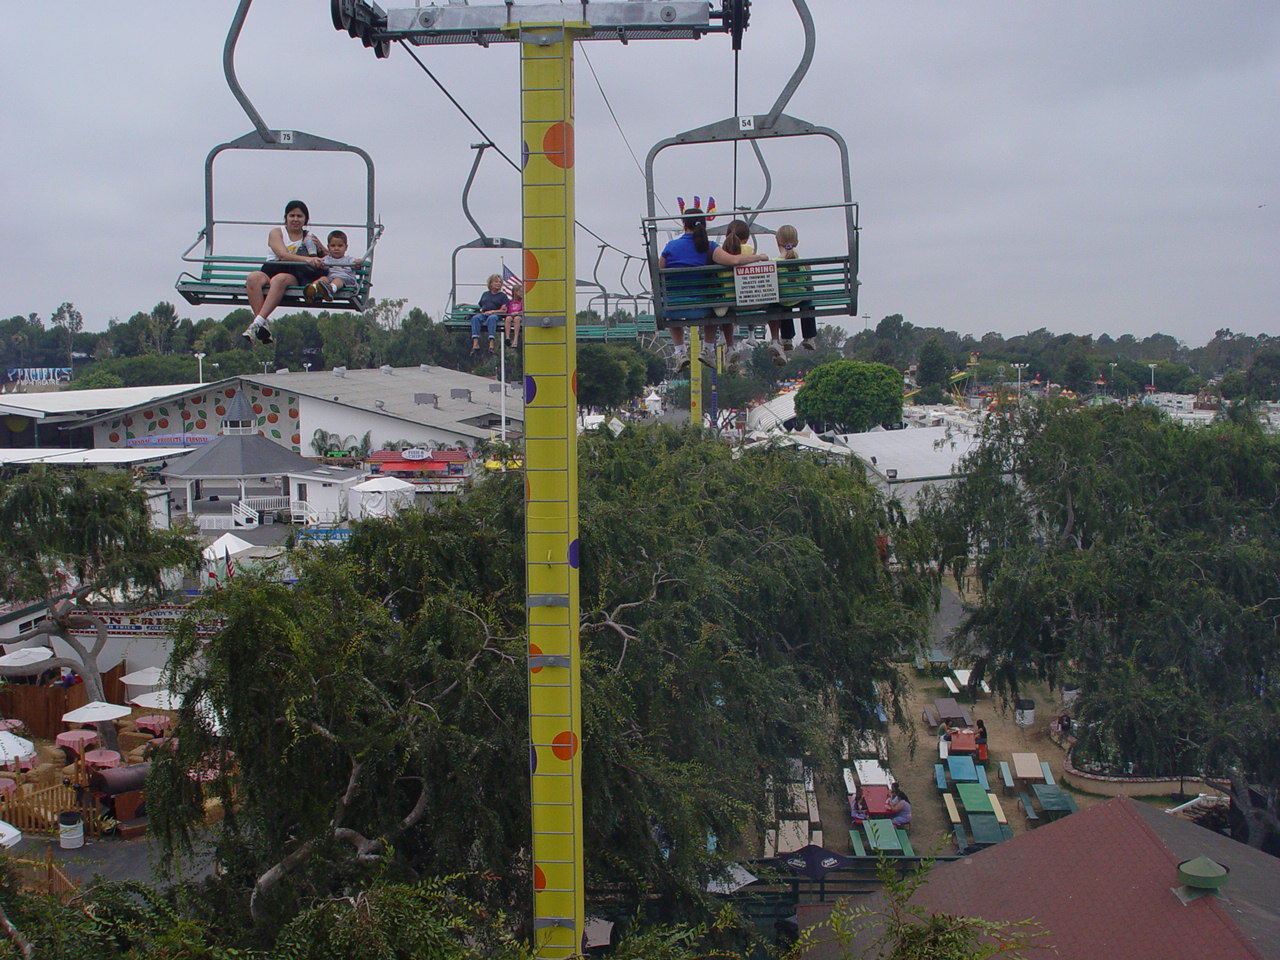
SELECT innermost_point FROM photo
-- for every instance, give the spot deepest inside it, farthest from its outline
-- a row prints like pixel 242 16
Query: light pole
pixel 1153 376
pixel 1113 373
pixel 200 361
pixel 866 319
pixel 1019 367
pixel 306 367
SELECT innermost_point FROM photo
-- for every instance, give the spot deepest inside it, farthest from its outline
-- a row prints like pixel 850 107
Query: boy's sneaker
pixel 311 292
pixel 708 355
pixel 682 360
pixel 248 334
pixel 787 346
pixel 778 353
pixel 807 344
pixel 264 335
pixel 326 289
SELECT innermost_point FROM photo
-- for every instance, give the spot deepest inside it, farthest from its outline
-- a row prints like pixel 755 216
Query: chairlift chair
pixel 220 278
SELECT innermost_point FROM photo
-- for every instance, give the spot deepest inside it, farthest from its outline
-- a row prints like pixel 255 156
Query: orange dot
pixel 297 438
pixel 162 423
pixel 199 424
pixel 293 412
pixel 272 418
pixel 557 143
pixel 148 414
pixel 573 382
pixel 114 438
pixel 539 878
pixel 531 271
pixel 535 651
pixel 257 408
pixel 565 745
pixel 528 492
pixel 186 414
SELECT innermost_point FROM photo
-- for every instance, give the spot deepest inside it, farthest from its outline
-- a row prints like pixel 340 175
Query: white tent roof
pixel 383 483
pixel 226 544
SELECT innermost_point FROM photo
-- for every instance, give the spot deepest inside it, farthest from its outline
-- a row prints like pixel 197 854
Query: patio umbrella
pixel 158 700
pixel 736 878
pixel 25 656
pixel 146 677
pixel 814 861
pixel 96 712
pixel 9 834
pixel 13 749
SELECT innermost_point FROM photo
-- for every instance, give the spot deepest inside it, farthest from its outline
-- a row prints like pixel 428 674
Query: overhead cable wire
pixel 480 130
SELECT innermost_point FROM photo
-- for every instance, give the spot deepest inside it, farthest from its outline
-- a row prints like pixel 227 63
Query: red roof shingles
pixel 1100 883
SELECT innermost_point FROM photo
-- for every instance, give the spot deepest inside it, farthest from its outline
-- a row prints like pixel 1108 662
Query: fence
pixel 37 811
pixel 42 877
pixel 40 708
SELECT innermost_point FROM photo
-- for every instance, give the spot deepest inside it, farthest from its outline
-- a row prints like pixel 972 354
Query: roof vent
pixel 495 388
pixel 460 393
pixel 339 371
pixel 1201 877
pixel 380 404
pixel 424 367
pixel 386 368
pixel 283 370
pixel 431 398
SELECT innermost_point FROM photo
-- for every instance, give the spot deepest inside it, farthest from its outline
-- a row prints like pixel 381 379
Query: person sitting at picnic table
pixel 945 732
pixel 982 740
pixel 899 806
pixel 858 806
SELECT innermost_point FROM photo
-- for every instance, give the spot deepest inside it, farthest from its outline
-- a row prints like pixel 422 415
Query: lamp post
pixel 1153 376
pixel 866 319
pixel 1113 373
pixel 1019 367
pixel 306 367
pixel 200 362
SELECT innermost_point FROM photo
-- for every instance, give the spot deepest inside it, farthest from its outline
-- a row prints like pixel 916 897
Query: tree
pixel 1137 557
pixel 1262 381
pixel 96 380
pixel 608 377
pixel 71 321
pixel 78 541
pixel 933 367
pixel 849 396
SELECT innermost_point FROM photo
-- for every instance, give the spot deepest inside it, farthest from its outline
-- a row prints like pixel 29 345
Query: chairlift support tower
pixel 546 33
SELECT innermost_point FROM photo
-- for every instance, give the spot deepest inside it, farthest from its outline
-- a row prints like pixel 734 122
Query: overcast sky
pixel 1083 166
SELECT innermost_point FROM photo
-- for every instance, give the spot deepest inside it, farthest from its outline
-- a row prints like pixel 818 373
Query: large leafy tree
pixel 79 541
pixel 850 396
pixel 1138 558
pixel 735 612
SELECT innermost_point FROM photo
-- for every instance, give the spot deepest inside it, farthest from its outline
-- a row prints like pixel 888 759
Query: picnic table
pixel 870 772
pixel 984 829
pixel 1052 800
pixel 882 835
pixel 76 740
pixel 877 797
pixel 850 785
pixel 1026 766
pixel 962 769
pixel 962 742
pixel 951 712
pixel 974 798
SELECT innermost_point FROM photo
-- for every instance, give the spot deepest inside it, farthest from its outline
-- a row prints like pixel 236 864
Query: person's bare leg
pixel 275 293
pixel 253 285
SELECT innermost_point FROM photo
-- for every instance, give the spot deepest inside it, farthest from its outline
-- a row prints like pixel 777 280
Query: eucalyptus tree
pixel 79 542
pixel 1137 557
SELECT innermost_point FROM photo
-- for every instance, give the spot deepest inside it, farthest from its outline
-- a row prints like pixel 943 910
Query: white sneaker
pixel 708 355
pixel 807 344
pixel 778 353
pixel 787 346
pixel 682 359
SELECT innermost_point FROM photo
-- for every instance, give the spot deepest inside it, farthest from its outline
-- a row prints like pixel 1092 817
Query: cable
pixel 735 142
pixel 480 130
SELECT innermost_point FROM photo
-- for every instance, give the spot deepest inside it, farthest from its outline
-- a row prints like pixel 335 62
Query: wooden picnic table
pixel 974 798
pixel 877 797
pixel 1026 766
pixel 951 711
pixel 984 829
pixel 792 835
pixel 1052 800
pixel 870 771
pixel 849 783
pixel 882 835
pixel 962 742
pixel 962 769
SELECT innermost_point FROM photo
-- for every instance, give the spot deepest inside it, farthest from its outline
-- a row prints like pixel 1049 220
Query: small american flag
pixel 509 280
pixel 231 571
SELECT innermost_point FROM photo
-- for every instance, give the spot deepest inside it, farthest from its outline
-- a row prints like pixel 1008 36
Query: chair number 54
pixel 746 123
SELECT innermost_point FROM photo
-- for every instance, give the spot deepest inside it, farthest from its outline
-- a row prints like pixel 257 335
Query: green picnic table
pixel 962 769
pixel 974 798
pixel 984 829
pixel 1053 801
pixel 882 835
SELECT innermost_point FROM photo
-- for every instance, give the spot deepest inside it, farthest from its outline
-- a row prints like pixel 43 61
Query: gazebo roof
pixel 238 457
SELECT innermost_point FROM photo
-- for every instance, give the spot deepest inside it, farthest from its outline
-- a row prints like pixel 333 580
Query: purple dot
pixel 530 389
pixel 573 554
pixel 524 154
pixel 533 759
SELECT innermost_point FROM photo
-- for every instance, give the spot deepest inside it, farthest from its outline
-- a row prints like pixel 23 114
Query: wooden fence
pixel 41 708
pixel 37 811
pixel 42 877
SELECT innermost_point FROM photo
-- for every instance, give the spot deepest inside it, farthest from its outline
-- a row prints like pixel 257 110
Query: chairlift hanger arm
pixel 229 71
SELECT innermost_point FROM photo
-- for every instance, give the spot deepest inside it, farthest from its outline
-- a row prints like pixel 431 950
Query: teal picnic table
pixel 974 798
pixel 984 829
pixel 1053 801
pixel 962 769
pixel 882 835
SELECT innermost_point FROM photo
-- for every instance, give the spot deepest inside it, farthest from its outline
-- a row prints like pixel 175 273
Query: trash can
pixel 70 830
pixel 1024 712
pixel 1070 693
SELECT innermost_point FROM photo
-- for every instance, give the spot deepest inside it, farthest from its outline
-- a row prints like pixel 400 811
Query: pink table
pixel 76 740
pixel 23 763
pixel 102 759
pixel 8 786
pixel 157 723
pixel 12 726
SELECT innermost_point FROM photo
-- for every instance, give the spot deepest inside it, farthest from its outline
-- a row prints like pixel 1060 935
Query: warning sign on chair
pixel 755 284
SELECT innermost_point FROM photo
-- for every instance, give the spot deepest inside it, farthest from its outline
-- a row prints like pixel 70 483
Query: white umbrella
pixel 736 878
pixel 96 712
pixel 146 677
pixel 25 656
pixel 13 749
pixel 9 834
pixel 158 700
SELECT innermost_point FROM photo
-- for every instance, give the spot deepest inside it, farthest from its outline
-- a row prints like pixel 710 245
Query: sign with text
pixel 755 284
pixel 154 622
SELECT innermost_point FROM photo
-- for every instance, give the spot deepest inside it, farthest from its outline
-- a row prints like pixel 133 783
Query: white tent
pixel 380 497
pixel 227 544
